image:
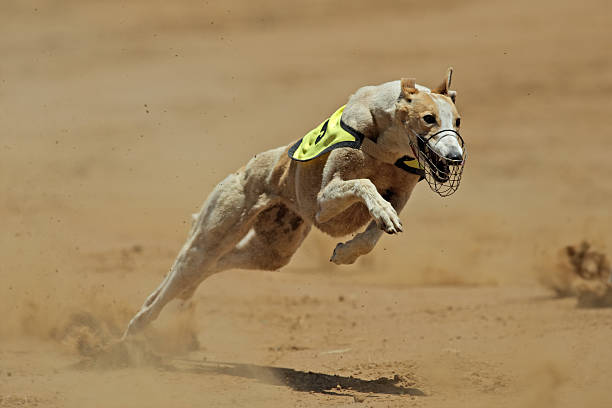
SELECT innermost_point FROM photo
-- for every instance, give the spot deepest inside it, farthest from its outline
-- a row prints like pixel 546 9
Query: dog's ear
pixel 444 87
pixel 453 96
pixel 408 87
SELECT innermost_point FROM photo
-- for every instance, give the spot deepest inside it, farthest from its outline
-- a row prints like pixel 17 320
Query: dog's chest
pixel 388 179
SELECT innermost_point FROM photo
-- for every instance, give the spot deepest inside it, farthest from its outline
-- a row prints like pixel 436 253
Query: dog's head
pixel 432 117
pixel 431 125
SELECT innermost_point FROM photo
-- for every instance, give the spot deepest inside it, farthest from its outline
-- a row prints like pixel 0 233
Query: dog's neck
pixel 372 111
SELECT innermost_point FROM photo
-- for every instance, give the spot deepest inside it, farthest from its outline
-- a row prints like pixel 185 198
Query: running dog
pixel 358 166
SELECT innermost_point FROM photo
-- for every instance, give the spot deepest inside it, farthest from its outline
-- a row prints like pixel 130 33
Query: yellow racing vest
pixel 333 134
pixel 329 135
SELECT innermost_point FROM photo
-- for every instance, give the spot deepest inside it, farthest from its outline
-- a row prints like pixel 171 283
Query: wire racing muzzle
pixel 443 174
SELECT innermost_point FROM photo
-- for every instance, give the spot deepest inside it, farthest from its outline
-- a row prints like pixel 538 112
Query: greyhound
pixel 359 166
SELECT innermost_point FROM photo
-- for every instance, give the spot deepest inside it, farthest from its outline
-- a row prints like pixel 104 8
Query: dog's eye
pixel 431 119
pixel 458 122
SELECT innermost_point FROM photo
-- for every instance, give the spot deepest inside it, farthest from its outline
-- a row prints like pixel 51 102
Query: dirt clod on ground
pixel 584 272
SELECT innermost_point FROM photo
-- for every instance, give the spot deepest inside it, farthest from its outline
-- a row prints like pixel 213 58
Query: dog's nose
pixel 455 155
pixel 448 147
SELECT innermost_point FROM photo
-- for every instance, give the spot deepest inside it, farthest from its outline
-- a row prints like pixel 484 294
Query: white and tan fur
pixel 258 216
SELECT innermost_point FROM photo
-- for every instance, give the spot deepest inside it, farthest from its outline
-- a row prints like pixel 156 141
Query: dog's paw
pixel 344 254
pixel 386 217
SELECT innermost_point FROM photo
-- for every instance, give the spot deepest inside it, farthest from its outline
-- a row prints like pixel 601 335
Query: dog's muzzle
pixel 443 173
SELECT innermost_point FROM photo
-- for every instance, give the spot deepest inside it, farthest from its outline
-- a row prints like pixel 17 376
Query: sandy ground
pixel 117 118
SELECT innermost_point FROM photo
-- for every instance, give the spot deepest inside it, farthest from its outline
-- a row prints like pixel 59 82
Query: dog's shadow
pixel 125 354
pixel 299 380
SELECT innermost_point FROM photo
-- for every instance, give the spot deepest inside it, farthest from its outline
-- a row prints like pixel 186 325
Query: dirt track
pixel 118 118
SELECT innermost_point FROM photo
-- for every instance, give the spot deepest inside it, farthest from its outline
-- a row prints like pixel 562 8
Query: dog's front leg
pixel 347 253
pixel 339 195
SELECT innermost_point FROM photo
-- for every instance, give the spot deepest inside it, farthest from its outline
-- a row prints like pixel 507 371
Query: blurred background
pixel 117 118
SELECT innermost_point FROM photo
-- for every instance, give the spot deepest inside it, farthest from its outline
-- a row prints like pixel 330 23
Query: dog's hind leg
pixel 268 246
pixel 276 234
pixel 227 215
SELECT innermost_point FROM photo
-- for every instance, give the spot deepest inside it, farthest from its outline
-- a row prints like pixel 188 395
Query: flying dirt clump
pixel 582 272
pixel 103 349
pixel 90 325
